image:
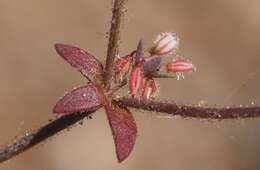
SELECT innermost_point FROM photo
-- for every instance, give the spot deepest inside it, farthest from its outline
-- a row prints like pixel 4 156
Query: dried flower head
pixel 165 44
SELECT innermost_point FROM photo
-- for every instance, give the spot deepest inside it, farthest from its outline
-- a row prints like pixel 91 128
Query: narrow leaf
pixel 123 128
pixel 86 63
pixel 86 98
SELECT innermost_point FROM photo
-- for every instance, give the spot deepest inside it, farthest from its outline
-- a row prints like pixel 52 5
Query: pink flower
pixel 165 44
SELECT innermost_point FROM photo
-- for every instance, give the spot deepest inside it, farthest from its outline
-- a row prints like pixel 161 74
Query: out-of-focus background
pixel 221 37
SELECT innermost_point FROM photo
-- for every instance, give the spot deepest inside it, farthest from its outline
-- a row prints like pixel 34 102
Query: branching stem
pixel 52 128
pixel 31 139
pixel 114 37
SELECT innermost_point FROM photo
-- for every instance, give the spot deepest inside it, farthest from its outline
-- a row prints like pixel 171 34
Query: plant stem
pixel 114 37
pixel 192 110
pixel 31 139
pixel 52 128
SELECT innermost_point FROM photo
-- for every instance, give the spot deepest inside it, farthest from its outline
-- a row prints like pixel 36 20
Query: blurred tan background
pixel 221 37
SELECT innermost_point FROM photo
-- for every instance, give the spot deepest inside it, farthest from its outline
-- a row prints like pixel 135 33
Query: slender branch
pixel 52 128
pixel 39 135
pixel 192 110
pixel 114 37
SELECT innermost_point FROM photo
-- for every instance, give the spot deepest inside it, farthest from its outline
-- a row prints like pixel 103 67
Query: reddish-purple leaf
pixel 123 128
pixel 86 63
pixel 86 98
pixel 139 52
pixel 152 66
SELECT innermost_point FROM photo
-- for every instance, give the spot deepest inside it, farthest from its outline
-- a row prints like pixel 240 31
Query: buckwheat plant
pixel 136 71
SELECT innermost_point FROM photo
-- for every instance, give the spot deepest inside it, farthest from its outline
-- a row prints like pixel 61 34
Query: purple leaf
pixel 123 128
pixel 86 98
pixel 86 63
pixel 151 66
pixel 139 52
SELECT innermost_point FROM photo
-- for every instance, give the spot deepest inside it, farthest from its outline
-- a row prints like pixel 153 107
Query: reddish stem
pixel 192 110
pixel 114 37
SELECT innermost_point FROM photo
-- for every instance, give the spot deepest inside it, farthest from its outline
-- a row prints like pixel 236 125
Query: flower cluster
pixel 146 68
pixel 136 69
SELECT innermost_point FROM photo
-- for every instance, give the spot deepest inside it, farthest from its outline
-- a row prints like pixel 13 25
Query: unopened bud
pixel 165 44
pixel 136 81
pixel 122 66
pixel 180 66
pixel 149 89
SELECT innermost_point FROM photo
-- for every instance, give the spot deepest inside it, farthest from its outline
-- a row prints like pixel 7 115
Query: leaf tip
pixel 59 47
pixel 58 109
pixel 123 154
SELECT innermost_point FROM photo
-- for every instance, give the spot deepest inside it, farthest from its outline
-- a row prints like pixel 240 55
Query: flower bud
pixel 180 66
pixel 165 44
pixel 136 81
pixel 122 66
pixel 149 89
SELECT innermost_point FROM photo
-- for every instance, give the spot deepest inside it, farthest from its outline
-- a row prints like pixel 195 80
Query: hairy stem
pixel 31 139
pixel 191 110
pixel 114 37
pixel 37 136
